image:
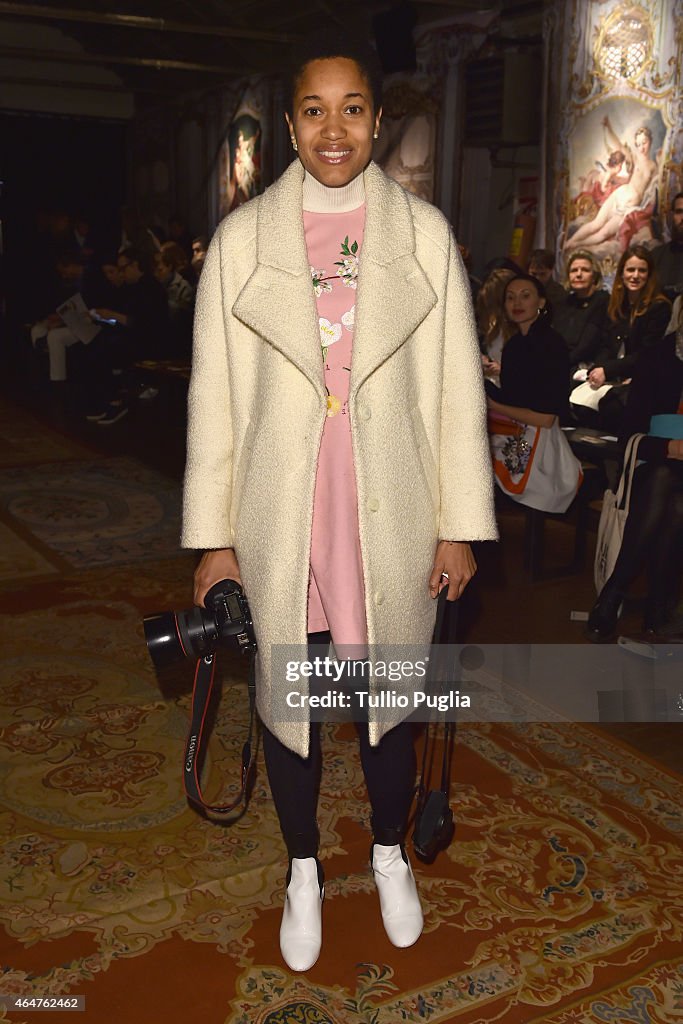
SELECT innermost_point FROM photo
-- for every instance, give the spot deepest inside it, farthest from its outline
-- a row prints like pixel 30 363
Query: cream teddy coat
pixel 257 406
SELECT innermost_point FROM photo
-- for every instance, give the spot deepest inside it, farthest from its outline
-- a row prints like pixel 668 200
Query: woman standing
pixel 637 316
pixel 337 455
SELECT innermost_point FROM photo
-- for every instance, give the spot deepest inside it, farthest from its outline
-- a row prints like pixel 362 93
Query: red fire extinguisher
pixel 524 224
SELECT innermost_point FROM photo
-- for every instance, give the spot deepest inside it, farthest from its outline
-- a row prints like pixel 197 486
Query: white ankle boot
pixel 398 899
pixel 301 928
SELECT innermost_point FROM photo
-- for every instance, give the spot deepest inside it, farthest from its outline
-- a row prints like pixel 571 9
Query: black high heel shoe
pixel 602 621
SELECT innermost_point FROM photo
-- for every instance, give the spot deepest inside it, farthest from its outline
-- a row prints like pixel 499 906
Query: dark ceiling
pixel 174 46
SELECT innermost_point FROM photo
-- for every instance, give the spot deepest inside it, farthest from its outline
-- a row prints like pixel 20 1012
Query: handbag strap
pixel 447 625
pixel 202 692
pixel 626 481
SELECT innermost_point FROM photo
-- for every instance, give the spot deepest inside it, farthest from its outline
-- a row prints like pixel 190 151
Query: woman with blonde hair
pixel 581 319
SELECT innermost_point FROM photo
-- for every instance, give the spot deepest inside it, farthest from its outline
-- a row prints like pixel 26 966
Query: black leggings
pixel 389 771
pixel 653 532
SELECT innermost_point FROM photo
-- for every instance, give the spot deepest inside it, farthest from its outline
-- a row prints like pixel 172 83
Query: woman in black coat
pixel 637 317
pixel 581 319
pixel 534 365
pixel 654 527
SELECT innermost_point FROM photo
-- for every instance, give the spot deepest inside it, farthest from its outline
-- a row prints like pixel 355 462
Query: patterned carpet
pixel 559 902
pixel 106 511
pixel 24 440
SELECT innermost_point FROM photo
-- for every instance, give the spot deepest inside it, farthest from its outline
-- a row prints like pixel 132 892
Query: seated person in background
pixel 475 283
pixel 144 306
pixel 532 461
pixel 50 331
pixel 179 262
pixel 106 289
pixel 140 325
pixel 136 235
pixel 653 534
pixel 676 314
pixel 177 232
pixel 581 318
pixel 180 295
pixel 637 317
pixel 83 238
pixel 668 258
pixel 534 367
pixel 199 247
pixel 541 266
pixel 179 292
pixel 493 327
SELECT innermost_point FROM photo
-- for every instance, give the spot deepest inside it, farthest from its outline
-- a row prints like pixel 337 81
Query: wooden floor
pixel 502 605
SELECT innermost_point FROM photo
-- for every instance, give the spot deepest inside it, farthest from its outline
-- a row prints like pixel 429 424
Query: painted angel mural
pixel 615 205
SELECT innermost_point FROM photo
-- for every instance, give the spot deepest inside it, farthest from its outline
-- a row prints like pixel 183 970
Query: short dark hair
pixel 543 256
pixel 679 195
pixel 329 42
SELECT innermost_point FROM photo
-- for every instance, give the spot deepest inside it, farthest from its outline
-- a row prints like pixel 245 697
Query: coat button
pixel 373 504
pixel 379 598
pixel 365 412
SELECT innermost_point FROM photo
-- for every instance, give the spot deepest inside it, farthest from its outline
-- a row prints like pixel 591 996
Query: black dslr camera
pixel 433 826
pixel 226 619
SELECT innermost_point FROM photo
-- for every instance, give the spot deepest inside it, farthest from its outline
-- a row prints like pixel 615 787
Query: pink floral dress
pixel 336 597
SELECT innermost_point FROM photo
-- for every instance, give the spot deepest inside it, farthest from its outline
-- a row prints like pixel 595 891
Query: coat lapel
pixel 278 301
pixel 394 295
pixel 393 298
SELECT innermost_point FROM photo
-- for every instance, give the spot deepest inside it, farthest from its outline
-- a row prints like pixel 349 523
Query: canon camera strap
pixel 201 697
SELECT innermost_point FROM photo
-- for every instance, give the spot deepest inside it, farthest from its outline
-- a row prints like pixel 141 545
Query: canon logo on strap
pixel 190 753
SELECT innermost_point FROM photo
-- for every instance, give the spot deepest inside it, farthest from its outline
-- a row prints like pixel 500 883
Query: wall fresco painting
pixel 614 156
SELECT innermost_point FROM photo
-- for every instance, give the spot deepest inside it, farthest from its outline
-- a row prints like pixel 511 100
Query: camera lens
pixel 197 631
pixel 171 636
pixel 163 639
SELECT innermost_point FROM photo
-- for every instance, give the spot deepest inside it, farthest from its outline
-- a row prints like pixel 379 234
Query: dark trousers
pixel 112 348
pixel 653 534
pixel 389 771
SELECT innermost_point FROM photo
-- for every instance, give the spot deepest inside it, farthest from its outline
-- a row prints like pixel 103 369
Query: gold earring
pixel 294 144
pixel 376 135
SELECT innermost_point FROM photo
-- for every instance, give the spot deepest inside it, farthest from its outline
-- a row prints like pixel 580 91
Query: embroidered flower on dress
pixel 329 333
pixel 349 318
pixel 333 405
pixel 319 286
pixel 348 265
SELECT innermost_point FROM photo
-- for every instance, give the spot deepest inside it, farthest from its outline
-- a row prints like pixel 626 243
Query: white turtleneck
pixel 319 198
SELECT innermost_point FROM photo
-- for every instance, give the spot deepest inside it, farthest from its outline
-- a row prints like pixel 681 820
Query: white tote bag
pixel 535 466
pixel 613 518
